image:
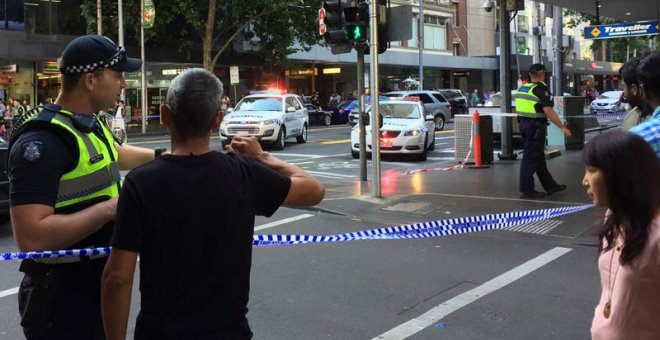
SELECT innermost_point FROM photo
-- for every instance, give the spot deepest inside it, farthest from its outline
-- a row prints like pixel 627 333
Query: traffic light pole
pixel 505 84
pixel 361 108
pixel 373 93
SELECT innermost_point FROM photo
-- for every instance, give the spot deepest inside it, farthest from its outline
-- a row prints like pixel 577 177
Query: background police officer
pixel 64 172
pixel 534 108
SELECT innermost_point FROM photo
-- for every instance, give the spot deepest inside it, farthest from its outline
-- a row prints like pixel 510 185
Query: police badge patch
pixel 32 150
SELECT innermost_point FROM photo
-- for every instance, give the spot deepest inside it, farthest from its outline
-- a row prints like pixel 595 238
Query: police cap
pixel 89 53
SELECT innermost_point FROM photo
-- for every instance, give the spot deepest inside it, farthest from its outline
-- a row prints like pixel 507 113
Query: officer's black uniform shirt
pixel 191 219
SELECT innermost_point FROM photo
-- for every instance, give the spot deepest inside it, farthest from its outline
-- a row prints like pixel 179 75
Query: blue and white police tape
pixel 49 254
pixel 437 228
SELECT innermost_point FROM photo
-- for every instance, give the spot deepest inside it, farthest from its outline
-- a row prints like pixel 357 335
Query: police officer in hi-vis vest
pixel 534 108
pixel 64 172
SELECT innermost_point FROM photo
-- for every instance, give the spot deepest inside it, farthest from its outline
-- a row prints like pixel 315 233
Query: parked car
pixel 406 130
pixel 354 109
pixel 339 112
pixel 4 181
pixel 434 104
pixel 606 102
pixel 459 104
pixel 272 118
pixel 318 115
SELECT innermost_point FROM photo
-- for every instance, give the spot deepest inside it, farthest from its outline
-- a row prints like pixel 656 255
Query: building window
pixel 523 24
pixel 435 33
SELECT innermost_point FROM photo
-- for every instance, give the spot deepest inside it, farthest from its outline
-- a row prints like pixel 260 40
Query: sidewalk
pixel 463 193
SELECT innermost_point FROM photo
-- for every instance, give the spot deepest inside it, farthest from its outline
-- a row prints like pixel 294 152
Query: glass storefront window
pixel 42 16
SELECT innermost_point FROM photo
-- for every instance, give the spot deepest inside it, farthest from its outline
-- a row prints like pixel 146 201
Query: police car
pixel 406 130
pixel 272 118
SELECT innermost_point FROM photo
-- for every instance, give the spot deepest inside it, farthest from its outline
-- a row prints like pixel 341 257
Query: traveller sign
pixel 630 29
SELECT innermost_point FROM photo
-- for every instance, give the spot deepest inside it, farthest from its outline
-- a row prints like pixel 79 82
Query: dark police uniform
pixel 531 98
pixel 68 162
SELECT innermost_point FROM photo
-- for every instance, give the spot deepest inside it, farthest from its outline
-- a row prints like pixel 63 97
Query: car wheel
pixel 327 120
pixel 439 122
pixel 223 144
pixel 355 154
pixel 432 146
pixel 422 156
pixel 303 136
pixel 279 143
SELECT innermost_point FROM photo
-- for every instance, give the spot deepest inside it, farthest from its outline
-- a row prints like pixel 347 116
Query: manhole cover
pixel 416 208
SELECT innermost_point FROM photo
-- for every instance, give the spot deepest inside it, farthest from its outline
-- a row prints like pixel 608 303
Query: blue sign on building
pixel 621 30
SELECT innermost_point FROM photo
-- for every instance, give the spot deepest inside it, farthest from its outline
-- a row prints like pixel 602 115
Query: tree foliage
pixel 620 49
pixel 278 28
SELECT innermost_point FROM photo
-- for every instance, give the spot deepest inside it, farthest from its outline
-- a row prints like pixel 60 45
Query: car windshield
pixel 260 104
pixel 610 95
pixel 341 104
pixel 451 95
pixel 405 111
pixel 494 100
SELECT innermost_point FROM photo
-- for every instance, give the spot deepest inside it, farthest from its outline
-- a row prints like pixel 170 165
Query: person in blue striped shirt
pixel 649 79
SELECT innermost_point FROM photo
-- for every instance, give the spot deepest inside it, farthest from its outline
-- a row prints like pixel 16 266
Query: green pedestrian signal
pixel 355 32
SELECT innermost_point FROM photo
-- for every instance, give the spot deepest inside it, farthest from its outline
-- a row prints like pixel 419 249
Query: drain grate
pixel 538 227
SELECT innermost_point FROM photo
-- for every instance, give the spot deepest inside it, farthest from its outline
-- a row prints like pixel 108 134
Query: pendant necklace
pixel 608 305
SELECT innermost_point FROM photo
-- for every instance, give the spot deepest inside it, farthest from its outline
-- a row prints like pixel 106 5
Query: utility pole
pixel 537 37
pixel 120 36
pixel 420 44
pixel 360 89
pixel 99 18
pixel 557 62
pixel 505 84
pixel 145 110
pixel 373 92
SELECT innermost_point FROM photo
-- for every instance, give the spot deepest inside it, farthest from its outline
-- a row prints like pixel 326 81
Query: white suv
pixel 434 104
pixel 272 118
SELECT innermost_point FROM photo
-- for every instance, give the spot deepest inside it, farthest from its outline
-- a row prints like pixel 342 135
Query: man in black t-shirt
pixel 190 216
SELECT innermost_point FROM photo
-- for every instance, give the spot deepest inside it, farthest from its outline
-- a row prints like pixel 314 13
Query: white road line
pixel 8 292
pixel 448 137
pixel 437 313
pixel 326 174
pixel 440 158
pixel 307 155
pixel 286 220
pixel 298 163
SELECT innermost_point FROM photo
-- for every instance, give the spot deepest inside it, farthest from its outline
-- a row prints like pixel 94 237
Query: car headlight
pixel 413 133
pixel 224 123
pixel 268 122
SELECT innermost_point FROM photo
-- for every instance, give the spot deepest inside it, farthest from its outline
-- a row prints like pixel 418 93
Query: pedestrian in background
pixel 202 202
pixel 640 110
pixel 622 176
pixel 649 79
pixel 474 98
pixel 64 182
pixel 534 108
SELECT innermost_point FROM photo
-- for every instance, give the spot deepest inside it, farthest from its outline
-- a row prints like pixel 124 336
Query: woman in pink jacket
pixel 623 175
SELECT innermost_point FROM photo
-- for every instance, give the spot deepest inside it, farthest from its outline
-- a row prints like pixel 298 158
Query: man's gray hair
pixel 194 98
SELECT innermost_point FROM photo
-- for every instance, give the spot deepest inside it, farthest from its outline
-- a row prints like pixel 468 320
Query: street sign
pixel 149 14
pixel 630 29
pixel 233 75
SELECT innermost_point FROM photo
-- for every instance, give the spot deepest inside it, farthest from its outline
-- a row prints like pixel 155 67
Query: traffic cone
pixel 476 142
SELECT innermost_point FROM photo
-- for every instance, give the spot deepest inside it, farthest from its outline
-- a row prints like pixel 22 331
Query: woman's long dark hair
pixel 632 176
